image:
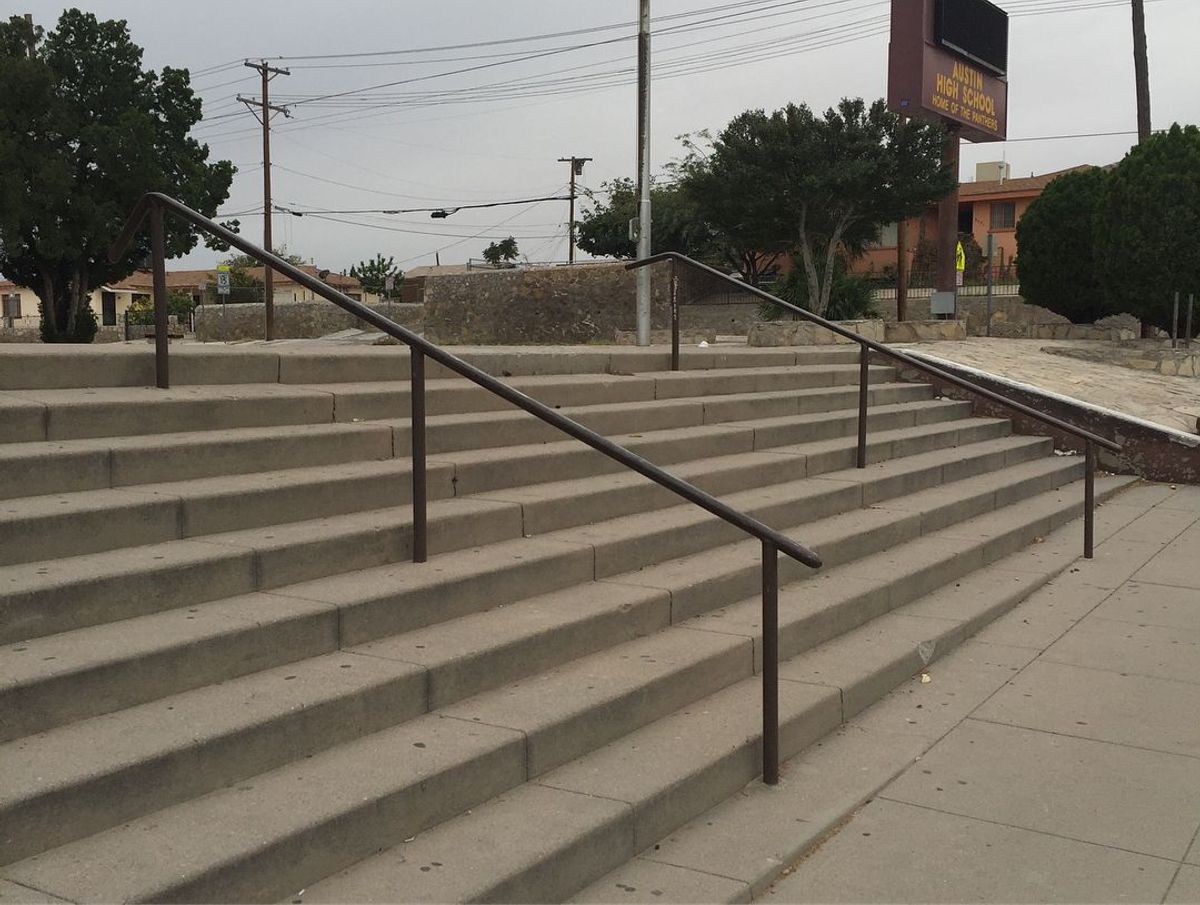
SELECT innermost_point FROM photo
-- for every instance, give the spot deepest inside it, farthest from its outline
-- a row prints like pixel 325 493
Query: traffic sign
pixel 223 280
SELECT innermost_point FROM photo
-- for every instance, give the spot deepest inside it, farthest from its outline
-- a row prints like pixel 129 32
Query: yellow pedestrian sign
pixel 960 259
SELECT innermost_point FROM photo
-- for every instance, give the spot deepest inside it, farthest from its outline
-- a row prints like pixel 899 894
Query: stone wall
pixel 293 320
pixel 925 331
pixel 1012 317
pixel 1138 357
pixel 804 333
pixel 34 335
pixel 540 305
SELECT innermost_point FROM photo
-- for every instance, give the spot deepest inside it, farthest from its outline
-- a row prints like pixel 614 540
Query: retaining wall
pixel 293 320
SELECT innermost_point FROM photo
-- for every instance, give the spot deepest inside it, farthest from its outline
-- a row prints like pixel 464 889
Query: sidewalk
pixel 1170 401
pixel 1078 778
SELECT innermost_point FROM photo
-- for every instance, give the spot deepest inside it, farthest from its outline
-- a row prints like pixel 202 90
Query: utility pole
pixel 1141 69
pixel 902 260
pixel 576 170
pixel 643 124
pixel 263 114
pixel 30 37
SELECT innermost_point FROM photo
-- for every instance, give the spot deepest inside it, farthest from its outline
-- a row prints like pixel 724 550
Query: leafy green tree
pixel 84 132
pixel 674 224
pixel 1147 226
pixel 1057 238
pixel 823 184
pixel 850 298
pixel 502 253
pixel 373 274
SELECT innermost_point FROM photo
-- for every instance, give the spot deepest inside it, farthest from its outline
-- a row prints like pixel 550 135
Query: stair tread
pixel 151 728
pixel 93 647
pixel 643 767
pixel 143 858
pixel 513 704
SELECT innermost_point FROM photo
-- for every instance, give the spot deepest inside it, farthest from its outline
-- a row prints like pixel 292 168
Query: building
pixel 994 203
pixel 19 304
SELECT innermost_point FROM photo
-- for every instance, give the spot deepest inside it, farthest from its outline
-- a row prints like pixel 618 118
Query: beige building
pixel 19 304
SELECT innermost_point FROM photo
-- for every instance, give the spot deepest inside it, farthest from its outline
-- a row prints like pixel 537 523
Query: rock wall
pixel 1012 317
pixel 925 331
pixel 1171 362
pixel 293 320
pixel 541 305
pixel 803 333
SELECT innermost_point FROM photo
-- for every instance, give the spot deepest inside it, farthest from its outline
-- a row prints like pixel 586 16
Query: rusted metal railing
pixel 1092 442
pixel 156 206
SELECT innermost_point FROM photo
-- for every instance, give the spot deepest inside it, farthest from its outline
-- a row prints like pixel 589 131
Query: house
pixel 994 203
pixel 19 304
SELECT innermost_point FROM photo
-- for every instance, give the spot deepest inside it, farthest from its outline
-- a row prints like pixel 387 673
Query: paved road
pixel 1078 779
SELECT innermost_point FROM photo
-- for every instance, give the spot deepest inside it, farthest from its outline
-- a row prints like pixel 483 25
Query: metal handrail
pixel 153 204
pixel 1091 440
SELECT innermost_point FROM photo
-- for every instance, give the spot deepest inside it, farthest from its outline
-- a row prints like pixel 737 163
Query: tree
pixel 674 225
pixel 823 184
pixel 1147 224
pixel 502 253
pixel 84 132
pixel 373 274
pixel 1057 238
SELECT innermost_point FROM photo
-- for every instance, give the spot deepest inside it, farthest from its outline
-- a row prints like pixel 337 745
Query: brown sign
pixel 928 81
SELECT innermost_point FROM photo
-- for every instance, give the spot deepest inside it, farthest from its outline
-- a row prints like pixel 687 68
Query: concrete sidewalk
pixel 1078 778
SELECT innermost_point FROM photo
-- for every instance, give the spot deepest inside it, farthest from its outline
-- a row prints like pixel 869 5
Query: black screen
pixel 977 29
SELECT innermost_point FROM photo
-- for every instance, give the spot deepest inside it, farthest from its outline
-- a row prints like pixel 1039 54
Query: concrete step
pixel 670 771
pixel 392 399
pixel 36 366
pixel 65 466
pixel 90 671
pixel 63 414
pixel 272 851
pixel 51 526
pixel 435 669
pixel 222 565
pixel 53 596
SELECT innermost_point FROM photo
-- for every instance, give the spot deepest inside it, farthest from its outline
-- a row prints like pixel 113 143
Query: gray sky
pixel 1071 72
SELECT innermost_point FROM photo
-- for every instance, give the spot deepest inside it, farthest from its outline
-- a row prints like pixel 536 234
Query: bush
pixel 1057 238
pixel 1147 227
pixel 850 298
pixel 178 303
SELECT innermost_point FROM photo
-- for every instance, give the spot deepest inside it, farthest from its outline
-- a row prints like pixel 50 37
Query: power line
pixel 523 39
pixel 430 210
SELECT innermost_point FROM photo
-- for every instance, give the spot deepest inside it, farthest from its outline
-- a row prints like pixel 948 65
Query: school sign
pixel 948 61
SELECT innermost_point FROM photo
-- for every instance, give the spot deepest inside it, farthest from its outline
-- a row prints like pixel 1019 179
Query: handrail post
pixel 417 401
pixel 674 318
pixel 1089 499
pixel 770 670
pixel 158 245
pixel 863 373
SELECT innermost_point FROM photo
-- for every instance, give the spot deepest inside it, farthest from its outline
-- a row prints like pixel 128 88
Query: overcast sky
pixel 1071 72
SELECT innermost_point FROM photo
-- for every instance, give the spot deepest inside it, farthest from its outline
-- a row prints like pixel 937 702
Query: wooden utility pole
pixel 30 36
pixel 1141 70
pixel 576 170
pixel 263 114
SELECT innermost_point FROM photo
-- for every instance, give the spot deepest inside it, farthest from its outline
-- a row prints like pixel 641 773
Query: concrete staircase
pixel 222 680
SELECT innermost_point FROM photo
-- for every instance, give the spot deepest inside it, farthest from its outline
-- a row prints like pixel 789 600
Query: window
pixel 888 236
pixel 1004 214
pixel 10 305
